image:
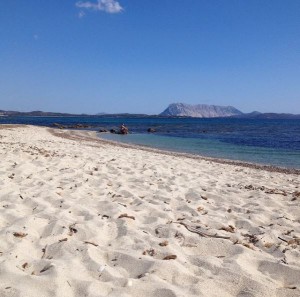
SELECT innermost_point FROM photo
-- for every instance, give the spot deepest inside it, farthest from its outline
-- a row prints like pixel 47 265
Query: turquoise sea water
pixel 213 148
pixel 271 142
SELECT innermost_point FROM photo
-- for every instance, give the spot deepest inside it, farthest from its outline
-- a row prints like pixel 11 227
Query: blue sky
pixel 141 55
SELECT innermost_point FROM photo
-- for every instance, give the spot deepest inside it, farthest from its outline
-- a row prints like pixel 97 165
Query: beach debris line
pixel 266 190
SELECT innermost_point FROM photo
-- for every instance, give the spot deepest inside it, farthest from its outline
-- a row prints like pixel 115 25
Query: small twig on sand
pixel 61 240
pixel 92 243
pixel 282 239
pixel 170 257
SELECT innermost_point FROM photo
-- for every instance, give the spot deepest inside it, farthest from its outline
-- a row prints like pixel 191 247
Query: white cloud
pixel 109 6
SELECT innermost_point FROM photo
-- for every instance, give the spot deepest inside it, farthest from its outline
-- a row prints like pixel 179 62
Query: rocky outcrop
pixel 200 111
pixel 76 126
pixel 151 130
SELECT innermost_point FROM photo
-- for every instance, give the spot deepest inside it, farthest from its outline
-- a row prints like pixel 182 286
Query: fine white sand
pixel 61 233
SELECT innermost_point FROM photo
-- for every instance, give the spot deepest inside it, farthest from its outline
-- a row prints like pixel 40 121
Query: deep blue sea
pixel 273 142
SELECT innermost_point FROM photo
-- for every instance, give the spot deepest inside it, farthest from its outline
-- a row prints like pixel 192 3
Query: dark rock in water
pixel 102 130
pixel 151 130
pixel 59 126
pixel 113 131
pixel 76 126
pixel 79 126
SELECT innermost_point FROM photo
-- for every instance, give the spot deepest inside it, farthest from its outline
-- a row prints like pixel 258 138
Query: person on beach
pixel 123 129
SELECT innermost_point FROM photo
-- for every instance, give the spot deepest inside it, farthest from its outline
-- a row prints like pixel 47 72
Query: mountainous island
pixel 216 111
pixel 200 111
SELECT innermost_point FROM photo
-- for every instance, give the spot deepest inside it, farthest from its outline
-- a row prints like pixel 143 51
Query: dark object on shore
pixel 102 130
pixel 151 130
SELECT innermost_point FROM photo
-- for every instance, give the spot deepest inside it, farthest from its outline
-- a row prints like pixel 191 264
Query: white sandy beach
pixel 87 218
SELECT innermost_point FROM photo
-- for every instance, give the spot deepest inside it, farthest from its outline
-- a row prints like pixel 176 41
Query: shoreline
pixel 76 134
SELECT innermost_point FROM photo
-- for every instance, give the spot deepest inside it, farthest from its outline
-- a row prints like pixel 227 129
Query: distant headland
pixel 173 110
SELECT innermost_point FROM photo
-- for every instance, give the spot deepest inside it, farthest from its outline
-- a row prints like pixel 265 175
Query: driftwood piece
pixel 203 234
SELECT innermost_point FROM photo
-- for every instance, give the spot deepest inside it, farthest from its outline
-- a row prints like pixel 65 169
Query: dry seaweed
pixel 170 257
pixel 230 229
pixel 61 240
pixel 164 243
pixel 125 215
pixel 20 234
pixel 72 230
pixel 151 252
